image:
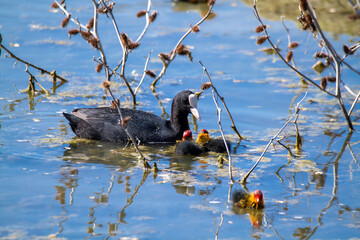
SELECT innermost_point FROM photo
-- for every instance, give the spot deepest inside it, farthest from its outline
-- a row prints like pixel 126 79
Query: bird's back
pixel 103 124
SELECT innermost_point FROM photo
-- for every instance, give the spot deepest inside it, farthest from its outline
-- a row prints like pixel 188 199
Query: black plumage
pixel 212 144
pixel 104 123
pixel 187 146
pixel 216 145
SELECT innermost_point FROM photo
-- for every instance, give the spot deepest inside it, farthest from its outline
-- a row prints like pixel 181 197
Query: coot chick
pixel 212 144
pixel 103 123
pixel 187 146
pixel 242 199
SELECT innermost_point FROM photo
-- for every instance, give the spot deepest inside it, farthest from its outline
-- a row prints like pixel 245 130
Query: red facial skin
pixel 258 197
pixel 203 131
pixel 187 135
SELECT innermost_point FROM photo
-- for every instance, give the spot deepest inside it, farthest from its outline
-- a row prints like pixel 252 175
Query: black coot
pixel 187 146
pixel 103 123
pixel 212 144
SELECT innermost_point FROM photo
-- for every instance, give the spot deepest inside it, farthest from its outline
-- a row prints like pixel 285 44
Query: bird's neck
pixel 180 122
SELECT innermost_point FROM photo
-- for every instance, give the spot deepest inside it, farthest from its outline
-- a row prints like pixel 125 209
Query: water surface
pixel 55 185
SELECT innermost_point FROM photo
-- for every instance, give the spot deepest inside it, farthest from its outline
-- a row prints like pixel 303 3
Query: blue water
pixel 54 185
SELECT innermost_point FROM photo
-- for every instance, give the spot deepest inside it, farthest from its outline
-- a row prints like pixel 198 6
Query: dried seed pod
pixel 90 23
pixel 124 39
pixel 104 10
pixel 293 45
pixel 323 83
pixel 65 21
pixel 211 2
pixel 261 40
pixel 320 55
pixel 353 48
pixel 152 16
pixel 106 84
pixel 94 42
pixel 115 104
pixel 195 29
pixel 353 16
pixel 99 67
pixel 189 55
pixel 133 45
pixel 305 26
pixel 73 32
pixel 303 5
pixel 54 5
pixel 125 121
pixel 309 20
pixel 289 56
pixel 141 13
pixel 85 34
pixel 182 50
pixel 150 73
pixel 206 85
pixel 164 56
pixel 329 79
pixel 260 28
pixel 346 49
pixel 301 18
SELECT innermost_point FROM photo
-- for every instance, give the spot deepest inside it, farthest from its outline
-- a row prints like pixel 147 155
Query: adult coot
pixel 103 123
pixel 187 146
pixel 242 199
pixel 212 144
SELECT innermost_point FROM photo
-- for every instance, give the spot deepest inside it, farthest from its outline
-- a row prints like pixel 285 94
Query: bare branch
pixel 223 137
pixel 297 110
pixel 223 101
pixel 146 165
pixel 173 54
pixel 144 73
pixel 42 70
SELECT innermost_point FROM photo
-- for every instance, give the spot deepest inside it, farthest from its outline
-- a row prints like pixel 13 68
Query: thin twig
pixel 144 73
pixel 125 51
pixel 95 33
pixel 279 54
pixel 147 22
pixel 33 78
pixel 42 70
pixel 297 110
pixel 354 103
pixel 337 66
pixel 172 56
pixel 67 14
pixel 223 101
pixel 146 165
pixel 218 109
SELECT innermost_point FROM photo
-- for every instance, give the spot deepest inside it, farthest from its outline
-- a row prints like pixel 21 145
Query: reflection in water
pixel 333 15
pixel 193 5
pixel 255 215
